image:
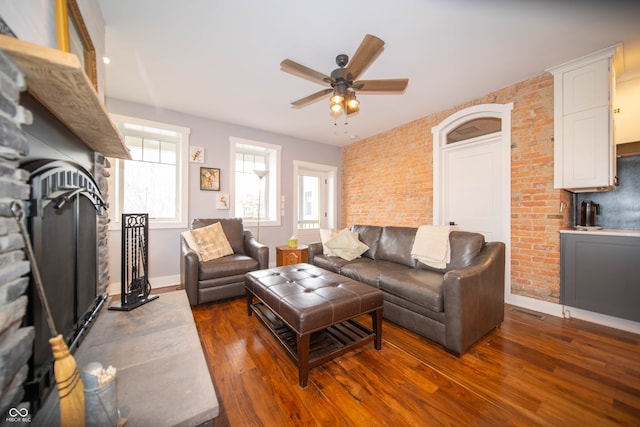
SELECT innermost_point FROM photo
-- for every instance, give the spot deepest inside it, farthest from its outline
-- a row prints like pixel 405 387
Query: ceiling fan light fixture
pixel 336 98
pixel 336 108
pixel 350 110
pixel 339 92
pixel 352 101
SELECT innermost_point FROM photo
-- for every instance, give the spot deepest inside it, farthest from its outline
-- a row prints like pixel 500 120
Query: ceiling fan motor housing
pixel 340 76
pixel 342 60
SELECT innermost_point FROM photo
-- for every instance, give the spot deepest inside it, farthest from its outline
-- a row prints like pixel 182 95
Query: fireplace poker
pixel 70 388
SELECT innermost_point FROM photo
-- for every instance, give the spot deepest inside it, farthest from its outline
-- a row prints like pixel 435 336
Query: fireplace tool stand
pixel 135 286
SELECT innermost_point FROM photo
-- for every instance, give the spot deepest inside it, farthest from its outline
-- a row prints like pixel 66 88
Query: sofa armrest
pixel 189 264
pixel 315 248
pixel 256 250
pixel 474 298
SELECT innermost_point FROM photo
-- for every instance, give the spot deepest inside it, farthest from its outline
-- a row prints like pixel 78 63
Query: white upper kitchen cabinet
pixel 584 150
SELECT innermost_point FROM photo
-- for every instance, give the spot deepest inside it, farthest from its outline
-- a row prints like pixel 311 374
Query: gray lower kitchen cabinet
pixel 601 273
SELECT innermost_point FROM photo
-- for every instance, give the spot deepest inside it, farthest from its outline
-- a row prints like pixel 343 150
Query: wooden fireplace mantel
pixel 57 80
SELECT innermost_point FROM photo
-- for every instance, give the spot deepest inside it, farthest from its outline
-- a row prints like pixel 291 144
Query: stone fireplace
pixel 50 165
pixel 15 338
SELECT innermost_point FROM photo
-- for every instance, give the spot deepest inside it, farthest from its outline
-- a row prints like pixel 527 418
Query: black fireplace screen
pixel 63 223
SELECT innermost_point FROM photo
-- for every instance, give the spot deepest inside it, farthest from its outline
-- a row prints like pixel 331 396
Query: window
pixel 155 180
pixel 254 197
pixel 312 194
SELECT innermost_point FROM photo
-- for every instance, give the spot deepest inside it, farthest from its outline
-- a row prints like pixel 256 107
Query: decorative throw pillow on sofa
pixel 346 245
pixel 188 237
pixel 325 236
pixel 211 242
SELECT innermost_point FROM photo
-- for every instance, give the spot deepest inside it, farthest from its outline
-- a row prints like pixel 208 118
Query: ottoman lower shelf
pixel 316 347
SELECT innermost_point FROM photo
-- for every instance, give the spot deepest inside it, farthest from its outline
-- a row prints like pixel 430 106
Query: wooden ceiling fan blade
pixel 367 52
pixel 383 85
pixel 299 70
pixel 314 97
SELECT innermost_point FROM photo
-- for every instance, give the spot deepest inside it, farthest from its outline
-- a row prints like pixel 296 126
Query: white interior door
pixel 314 200
pixel 472 196
pixel 472 177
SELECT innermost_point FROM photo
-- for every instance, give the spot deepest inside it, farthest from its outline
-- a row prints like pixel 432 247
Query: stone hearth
pixel 162 376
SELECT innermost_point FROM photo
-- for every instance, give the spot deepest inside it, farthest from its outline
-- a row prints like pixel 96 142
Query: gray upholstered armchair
pixel 223 277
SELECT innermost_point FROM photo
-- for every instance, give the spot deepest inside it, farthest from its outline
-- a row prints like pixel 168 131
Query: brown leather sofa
pixel 222 277
pixel 454 306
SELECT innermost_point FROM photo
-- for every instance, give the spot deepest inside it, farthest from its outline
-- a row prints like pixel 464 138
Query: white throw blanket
pixel 431 245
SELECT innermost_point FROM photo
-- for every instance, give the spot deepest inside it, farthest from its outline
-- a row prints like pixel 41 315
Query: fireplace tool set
pixel 135 287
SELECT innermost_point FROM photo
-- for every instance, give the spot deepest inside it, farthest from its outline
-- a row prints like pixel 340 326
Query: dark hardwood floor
pixel 529 372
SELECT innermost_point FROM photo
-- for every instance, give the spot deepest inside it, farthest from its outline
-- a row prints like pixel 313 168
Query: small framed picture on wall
pixel 222 201
pixel 210 179
pixel 196 154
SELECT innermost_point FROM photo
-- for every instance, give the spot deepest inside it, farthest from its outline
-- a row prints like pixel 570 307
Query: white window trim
pixel 183 189
pixel 234 141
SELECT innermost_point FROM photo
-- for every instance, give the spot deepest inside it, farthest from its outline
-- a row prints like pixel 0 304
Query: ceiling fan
pixel 343 83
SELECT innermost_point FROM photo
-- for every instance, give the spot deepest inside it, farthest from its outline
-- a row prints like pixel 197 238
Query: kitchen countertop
pixel 604 232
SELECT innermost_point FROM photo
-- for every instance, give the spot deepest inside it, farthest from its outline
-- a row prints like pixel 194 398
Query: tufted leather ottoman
pixel 299 301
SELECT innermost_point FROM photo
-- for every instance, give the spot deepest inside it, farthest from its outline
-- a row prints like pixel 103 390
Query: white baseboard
pixel 545 307
pixel 602 319
pixel 534 304
pixel 560 310
pixel 156 282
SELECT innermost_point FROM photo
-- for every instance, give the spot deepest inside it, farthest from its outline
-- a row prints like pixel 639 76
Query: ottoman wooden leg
pixel 303 343
pixel 376 322
pixel 249 302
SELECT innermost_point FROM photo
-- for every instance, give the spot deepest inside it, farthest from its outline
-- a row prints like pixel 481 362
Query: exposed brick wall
pixel 388 180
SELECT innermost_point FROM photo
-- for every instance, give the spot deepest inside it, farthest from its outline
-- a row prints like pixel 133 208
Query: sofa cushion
pixel 229 265
pixel 211 242
pixel 367 270
pixel 331 263
pixel 398 309
pixel 233 229
pixel 395 245
pixel 419 286
pixel 346 245
pixel 369 235
pixel 464 246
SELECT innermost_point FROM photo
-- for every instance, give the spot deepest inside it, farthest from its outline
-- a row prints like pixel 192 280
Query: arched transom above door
pixel 474 128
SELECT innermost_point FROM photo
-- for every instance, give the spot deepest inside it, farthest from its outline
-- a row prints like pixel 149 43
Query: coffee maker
pixel 588 212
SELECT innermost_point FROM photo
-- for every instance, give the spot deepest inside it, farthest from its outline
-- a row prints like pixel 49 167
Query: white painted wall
pixel 164 245
pixel 33 20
